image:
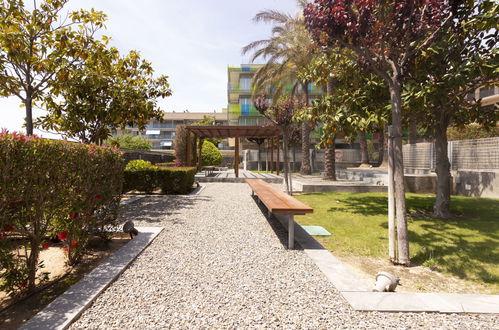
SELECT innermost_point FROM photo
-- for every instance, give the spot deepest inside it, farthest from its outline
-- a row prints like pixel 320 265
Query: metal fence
pixel 479 154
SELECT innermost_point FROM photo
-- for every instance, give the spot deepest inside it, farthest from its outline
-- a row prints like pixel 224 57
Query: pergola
pixel 237 132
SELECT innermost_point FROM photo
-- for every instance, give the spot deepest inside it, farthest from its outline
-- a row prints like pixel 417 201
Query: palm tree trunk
pixel 330 163
pixel 305 169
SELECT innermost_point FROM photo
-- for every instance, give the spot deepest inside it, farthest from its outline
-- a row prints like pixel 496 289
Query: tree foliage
pixel 385 36
pixel 210 155
pixel 464 58
pixel 37 47
pixel 129 142
pixel 106 92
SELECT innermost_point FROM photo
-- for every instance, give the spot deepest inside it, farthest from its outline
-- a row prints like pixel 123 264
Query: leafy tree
pixel 452 68
pixel 355 102
pixel 210 155
pixel 37 47
pixel 129 142
pixel 287 51
pixel 106 92
pixel 281 114
pixel 385 36
pixel 208 121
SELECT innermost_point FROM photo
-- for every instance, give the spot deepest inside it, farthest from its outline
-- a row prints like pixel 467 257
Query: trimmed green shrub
pixel 138 165
pixel 173 180
pixel 50 188
pixel 210 154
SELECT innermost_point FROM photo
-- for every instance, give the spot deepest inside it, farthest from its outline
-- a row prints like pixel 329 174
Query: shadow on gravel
pixel 277 227
pixel 157 209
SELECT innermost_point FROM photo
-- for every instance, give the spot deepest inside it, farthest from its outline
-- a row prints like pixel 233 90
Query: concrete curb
pixel 66 308
pixel 132 199
pixel 361 298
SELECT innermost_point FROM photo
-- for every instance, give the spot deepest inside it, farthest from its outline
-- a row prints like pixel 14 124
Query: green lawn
pixel 466 246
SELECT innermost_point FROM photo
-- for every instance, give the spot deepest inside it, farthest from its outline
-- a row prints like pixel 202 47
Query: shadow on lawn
pixel 459 245
pixel 156 209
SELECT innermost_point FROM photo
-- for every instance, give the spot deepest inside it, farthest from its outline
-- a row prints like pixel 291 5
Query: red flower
pixel 97 196
pixel 45 245
pixel 73 215
pixel 74 243
pixel 63 236
pixel 23 284
pixel 8 228
pixel 66 250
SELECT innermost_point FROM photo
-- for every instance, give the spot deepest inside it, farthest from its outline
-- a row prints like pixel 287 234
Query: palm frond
pixel 272 16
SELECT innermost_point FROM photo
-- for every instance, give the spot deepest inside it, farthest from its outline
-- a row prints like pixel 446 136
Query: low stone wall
pixel 478 183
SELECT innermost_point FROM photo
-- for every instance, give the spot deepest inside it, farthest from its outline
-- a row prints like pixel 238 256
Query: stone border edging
pixel 132 199
pixel 361 298
pixel 66 308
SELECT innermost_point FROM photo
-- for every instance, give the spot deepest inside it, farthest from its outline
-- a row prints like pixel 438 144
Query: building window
pixel 245 103
pixel 245 83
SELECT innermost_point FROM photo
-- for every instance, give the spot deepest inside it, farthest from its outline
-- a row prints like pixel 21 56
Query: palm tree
pixel 288 51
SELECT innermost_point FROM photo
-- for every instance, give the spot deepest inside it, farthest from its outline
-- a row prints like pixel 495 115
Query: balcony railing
pixel 243 110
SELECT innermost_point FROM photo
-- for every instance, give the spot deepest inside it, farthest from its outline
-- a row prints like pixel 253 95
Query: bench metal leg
pixel 291 232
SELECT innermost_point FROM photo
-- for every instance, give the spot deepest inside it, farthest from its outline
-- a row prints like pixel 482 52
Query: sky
pixel 191 41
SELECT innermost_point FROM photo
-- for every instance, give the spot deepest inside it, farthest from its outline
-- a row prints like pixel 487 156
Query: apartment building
pixel 161 135
pixel 241 110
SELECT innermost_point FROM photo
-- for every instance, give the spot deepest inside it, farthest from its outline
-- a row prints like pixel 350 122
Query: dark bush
pixel 173 180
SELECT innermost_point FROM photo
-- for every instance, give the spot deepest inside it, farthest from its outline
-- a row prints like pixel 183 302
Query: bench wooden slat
pixel 277 201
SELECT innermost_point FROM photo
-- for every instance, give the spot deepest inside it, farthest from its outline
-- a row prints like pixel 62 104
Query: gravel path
pixel 220 264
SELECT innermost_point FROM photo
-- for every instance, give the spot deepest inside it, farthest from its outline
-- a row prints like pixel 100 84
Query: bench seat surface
pixel 275 200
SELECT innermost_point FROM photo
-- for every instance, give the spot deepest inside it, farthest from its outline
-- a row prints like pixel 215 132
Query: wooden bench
pixel 279 202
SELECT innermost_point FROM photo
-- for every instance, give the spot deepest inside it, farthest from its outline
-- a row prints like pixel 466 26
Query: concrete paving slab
pixel 60 313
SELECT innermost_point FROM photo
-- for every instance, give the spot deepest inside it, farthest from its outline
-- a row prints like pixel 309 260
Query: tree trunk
pixel 305 169
pixel 364 155
pixel 398 171
pixel 28 103
pixel 441 209
pixel 294 157
pixel 329 163
pixel 32 262
pixel 286 161
pixel 383 149
pixel 413 129
pixel 259 167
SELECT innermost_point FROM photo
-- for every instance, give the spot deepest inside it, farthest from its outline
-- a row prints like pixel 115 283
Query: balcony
pixel 236 88
pixel 243 110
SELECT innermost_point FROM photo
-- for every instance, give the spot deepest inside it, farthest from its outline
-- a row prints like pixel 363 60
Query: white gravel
pixel 220 264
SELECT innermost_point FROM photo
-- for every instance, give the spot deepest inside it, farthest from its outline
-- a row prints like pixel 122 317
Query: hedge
pixel 52 188
pixel 173 180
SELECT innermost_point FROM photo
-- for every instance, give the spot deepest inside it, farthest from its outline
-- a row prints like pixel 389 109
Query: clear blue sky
pixel 192 42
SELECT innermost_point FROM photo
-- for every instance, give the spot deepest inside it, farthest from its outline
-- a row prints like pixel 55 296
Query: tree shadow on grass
pixel 157 209
pixel 460 245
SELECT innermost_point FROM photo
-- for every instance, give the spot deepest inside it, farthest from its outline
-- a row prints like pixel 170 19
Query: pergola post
pixel 271 155
pixel 277 161
pixel 236 158
pixel 200 148
pixel 188 149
